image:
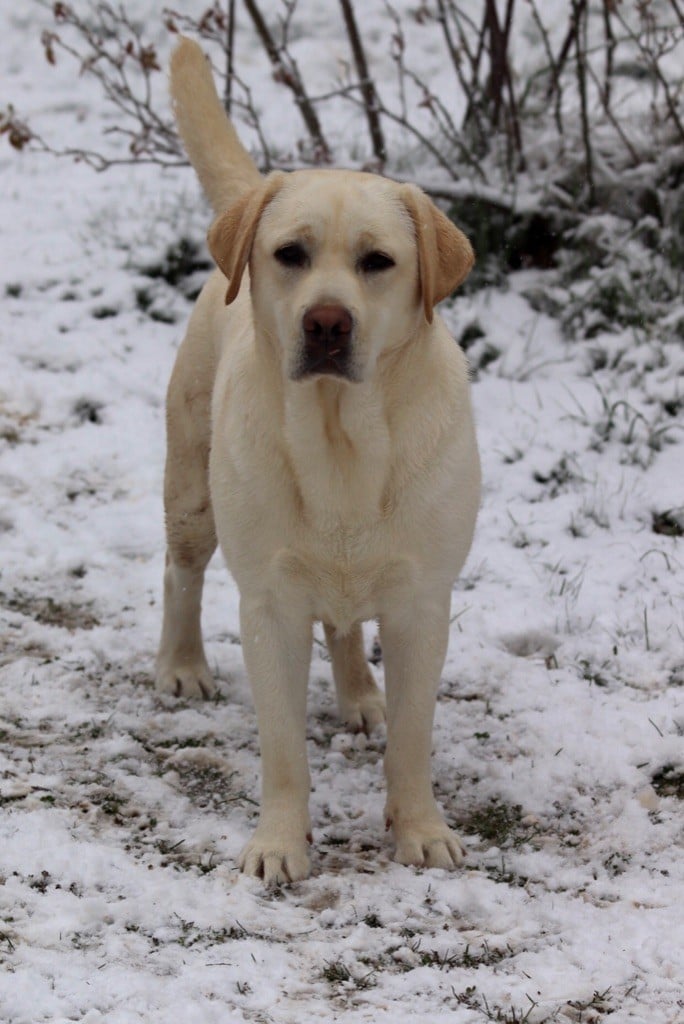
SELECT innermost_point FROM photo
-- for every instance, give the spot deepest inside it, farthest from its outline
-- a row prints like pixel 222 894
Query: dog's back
pixel 223 165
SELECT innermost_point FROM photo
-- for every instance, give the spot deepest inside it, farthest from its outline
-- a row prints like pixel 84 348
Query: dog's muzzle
pixel 327 333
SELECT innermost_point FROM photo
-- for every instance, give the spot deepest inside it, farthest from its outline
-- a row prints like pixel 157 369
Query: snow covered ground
pixel 558 749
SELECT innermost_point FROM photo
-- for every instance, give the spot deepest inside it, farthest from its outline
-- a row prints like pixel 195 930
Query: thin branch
pixel 432 103
pixel 579 14
pixel 653 63
pixel 444 162
pixel 610 52
pixel 678 11
pixel 230 55
pixel 457 62
pixel 611 116
pixel 557 107
pixel 368 91
pixel 559 63
pixel 286 71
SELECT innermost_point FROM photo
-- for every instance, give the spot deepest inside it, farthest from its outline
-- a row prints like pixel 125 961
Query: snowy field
pixel 558 750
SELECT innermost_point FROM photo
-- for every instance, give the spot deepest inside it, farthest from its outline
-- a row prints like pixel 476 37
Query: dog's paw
pixel 364 713
pixel 186 679
pixel 428 845
pixel 277 859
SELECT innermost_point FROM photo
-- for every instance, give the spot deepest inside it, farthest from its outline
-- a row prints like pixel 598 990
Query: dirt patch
pixel 50 612
pixel 13 646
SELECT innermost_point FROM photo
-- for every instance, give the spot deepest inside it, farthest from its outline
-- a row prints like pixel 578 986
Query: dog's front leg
pixel 414 643
pixel 276 641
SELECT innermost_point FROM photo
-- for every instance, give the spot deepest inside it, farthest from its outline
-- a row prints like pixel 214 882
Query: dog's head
pixel 343 266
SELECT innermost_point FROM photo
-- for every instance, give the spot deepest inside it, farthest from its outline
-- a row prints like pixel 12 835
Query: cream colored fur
pixel 334 498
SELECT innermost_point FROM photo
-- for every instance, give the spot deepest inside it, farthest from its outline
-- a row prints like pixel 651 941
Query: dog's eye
pixel 375 262
pixel 291 255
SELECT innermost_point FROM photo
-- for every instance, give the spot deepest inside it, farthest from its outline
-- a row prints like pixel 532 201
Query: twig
pixel 433 104
pixel 400 119
pixel 230 64
pixel 654 65
pixel 680 13
pixel 457 62
pixel 286 71
pixel 610 53
pixel 559 63
pixel 579 14
pixel 557 107
pixel 115 50
pixel 611 116
pixel 368 91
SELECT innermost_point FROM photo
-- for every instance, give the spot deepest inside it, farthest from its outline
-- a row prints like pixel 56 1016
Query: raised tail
pixel 224 167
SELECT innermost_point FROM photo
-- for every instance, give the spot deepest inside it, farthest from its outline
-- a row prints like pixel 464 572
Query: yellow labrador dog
pixel 320 426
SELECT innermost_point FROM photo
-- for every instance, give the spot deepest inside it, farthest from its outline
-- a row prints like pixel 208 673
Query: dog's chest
pixel 341 591
pixel 340 453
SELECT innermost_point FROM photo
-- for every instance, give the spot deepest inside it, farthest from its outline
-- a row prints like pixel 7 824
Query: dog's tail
pixel 224 167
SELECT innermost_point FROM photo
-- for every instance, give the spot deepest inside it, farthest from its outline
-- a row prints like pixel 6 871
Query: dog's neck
pixel 338 443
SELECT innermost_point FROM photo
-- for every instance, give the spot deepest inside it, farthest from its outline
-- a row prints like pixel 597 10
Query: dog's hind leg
pixel 360 701
pixel 182 668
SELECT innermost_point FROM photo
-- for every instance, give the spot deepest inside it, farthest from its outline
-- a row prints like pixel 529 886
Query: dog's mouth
pixel 334 361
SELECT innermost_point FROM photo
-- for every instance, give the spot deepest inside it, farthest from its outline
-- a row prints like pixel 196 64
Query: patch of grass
pixel 503 875
pixel 88 410
pixel 480 350
pixel 143 299
pixel 466 958
pixel 498 823
pixel 190 743
pixel 163 316
pixel 208 785
pixel 110 804
pixel 593 674
pixel 104 312
pixel 561 477
pixel 618 421
pixel 191 935
pixel 444 961
pixel 617 273
pixel 40 883
pixel 181 260
pixel 474 1000
pixel 154 304
pixel 599 1005
pixel 485 956
pixel 510 1015
pixel 371 920
pixel 9 433
pixel 337 974
pixel 669 523
pixel 617 863
pixel 468 997
pixel 669 781
pixel 471 333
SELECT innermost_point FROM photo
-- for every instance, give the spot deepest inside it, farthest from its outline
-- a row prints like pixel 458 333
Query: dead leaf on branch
pixel 18 133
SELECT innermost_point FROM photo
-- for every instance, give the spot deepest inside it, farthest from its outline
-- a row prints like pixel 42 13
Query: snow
pixel 122 813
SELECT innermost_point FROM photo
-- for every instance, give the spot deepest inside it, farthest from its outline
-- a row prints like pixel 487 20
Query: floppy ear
pixel 445 256
pixel 231 235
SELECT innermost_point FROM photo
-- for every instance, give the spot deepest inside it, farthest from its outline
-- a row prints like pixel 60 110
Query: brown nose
pixel 328 328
